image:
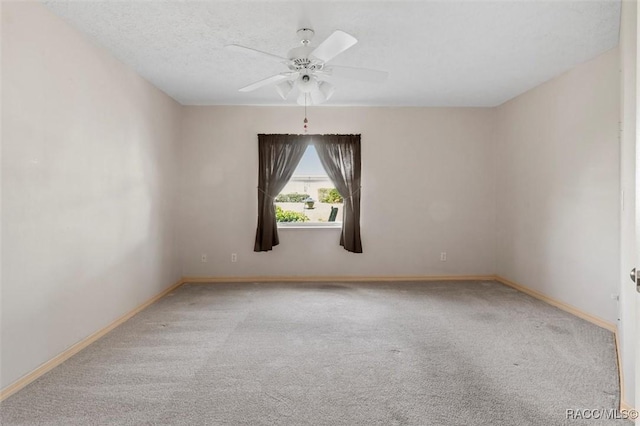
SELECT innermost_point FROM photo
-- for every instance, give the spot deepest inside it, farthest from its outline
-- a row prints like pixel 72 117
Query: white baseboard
pixel 213 280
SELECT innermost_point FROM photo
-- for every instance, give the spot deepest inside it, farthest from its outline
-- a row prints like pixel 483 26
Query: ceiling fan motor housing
pixel 301 60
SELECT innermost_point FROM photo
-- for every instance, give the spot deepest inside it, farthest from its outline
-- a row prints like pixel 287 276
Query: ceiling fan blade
pixel 266 82
pixel 364 74
pixel 254 52
pixel 334 45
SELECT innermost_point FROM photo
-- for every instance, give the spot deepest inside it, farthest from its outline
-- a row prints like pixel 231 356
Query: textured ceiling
pixel 438 53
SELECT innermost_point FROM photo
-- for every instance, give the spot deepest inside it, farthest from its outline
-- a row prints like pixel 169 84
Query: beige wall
pixel 558 187
pixel 427 187
pixel 87 198
pixel 628 159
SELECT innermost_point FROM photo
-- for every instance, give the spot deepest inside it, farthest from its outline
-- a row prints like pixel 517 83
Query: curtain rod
pixel 314 134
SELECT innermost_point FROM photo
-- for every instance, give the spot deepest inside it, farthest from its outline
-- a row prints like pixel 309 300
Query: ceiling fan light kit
pixel 308 66
pixel 284 89
pixel 307 83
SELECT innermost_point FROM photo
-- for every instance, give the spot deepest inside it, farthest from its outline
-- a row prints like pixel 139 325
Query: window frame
pixel 310 225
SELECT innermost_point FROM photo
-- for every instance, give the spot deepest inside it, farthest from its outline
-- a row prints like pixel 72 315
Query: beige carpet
pixel 429 353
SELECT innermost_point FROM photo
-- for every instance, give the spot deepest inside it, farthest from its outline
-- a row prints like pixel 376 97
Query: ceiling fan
pixel 308 67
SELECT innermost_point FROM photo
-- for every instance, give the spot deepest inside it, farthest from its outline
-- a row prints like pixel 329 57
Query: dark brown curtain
pixel 340 157
pixel 278 157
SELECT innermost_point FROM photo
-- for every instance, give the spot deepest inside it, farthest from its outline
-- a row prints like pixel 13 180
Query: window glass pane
pixel 309 197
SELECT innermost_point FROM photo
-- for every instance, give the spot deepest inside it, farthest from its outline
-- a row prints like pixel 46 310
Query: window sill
pixel 302 225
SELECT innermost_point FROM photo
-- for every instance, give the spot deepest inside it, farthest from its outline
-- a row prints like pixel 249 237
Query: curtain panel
pixel 278 157
pixel 340 157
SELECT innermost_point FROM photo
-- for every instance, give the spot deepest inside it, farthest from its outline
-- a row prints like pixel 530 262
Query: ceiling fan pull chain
pixel 305 113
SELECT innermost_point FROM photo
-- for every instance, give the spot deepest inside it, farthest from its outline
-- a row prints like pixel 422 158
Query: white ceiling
pixel 438 53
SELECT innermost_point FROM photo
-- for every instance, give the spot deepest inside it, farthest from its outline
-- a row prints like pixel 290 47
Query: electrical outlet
pixel 203 259
pixel 234 257
pixel 443 256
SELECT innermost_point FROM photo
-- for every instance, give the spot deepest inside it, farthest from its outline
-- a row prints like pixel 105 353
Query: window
pixel 278 157
pixel 309 198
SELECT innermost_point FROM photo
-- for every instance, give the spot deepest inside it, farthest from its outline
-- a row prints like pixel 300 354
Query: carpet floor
pixel 422 353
